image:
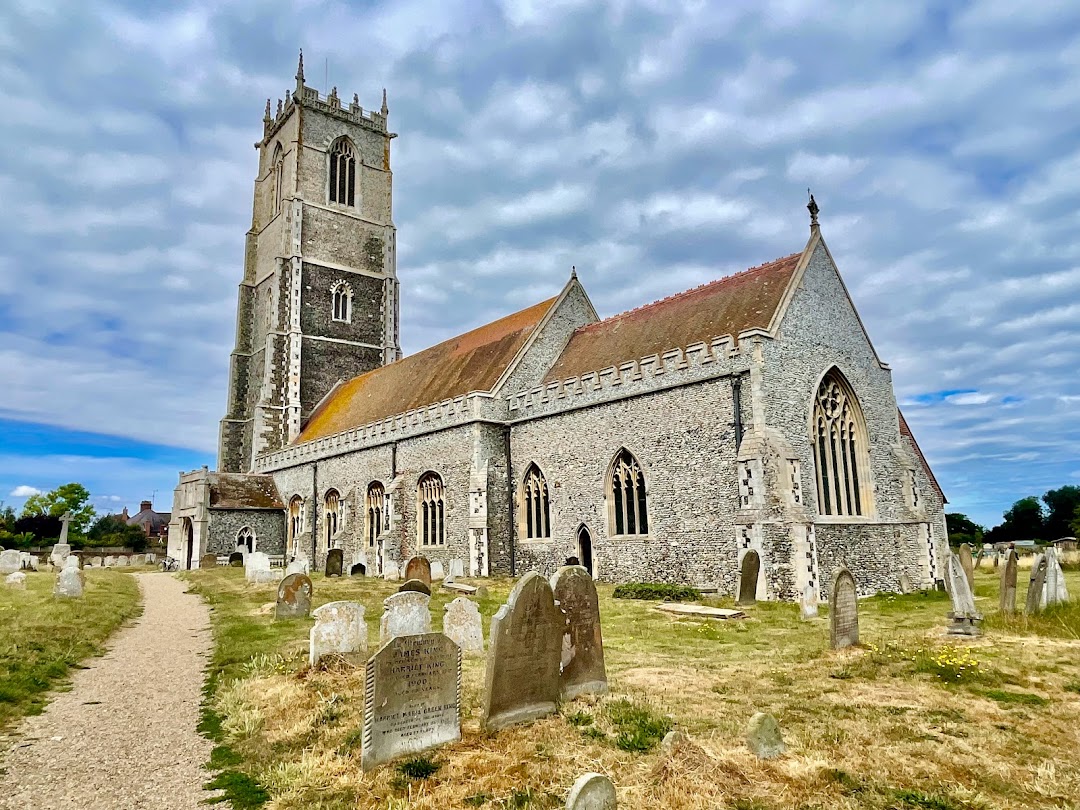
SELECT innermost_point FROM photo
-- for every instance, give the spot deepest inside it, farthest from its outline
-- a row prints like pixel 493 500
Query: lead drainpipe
pixel 510 503
pixel 736 403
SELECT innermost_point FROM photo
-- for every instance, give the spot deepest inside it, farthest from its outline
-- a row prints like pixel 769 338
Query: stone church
pixel 751 413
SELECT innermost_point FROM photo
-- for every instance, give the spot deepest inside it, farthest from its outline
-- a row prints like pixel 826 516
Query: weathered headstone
pixel 463 626
pixel 207 561
pixel 748 578
pixel 405 614
pixel 964 615
pixel 592 791
pixel 298 565
pixel 967 564
pixel 95 562
pixel 236 560
pixel 437 571
pixel 109 562
pixel 978 558
pixel 808 605
pixel 26 560
pixel 73 562
pixel 763 736
pixel 123 561
pixel 1007 599
pixel 294 597
pixel 138 559
pixel 1054 591
pixel 391 571
pixel 1036 585
pixel 412 697
pixel 418 568
pixel 457 567
pixel 525 649
pixel 340 629
pixel 582 665
pixel 10 561
pixel 843 611
pixel 60 553
pixel 16 579
pixel 335 559
pixel 414 585
pixel 69 584
pixel 257 569
pixel 905 584
pixel 358 570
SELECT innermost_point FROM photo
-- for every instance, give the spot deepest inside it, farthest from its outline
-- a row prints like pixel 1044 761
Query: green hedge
pixel 657 590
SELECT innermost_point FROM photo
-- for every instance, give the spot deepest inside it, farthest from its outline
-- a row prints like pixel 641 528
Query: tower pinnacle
pixel 385 110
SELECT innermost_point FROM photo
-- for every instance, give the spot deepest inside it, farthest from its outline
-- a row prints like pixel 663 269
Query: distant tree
pixel 112 530
pixel 42 528
pixel 7 518
pixel 1075 525
pixel 73 498
pixel 963 530
pixel 1061 506
pixel 1023 521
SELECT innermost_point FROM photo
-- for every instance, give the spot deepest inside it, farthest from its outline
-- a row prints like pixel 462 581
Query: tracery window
pixel 296 522
pixel 279 182
pixel 246 538
pixel 332 504
pixel 535 505
pixel 343 173
pixel 341 295
pixel 430 510
pixel 629 507
pixel 376 497
pixel 839 438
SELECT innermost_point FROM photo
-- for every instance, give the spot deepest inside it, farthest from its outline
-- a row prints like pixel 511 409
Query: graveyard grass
pixel 910 719
pixel 43 638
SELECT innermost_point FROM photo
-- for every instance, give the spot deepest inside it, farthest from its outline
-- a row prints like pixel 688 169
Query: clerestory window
pixel 840 449
pixel 535 506
pixel 343 173
pixel 629 511
pixel 430 510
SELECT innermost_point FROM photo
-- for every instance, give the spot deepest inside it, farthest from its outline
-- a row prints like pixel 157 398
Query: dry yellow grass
pixel 876 727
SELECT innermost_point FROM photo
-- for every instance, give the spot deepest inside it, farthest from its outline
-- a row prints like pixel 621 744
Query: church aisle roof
pixel 473 361
pixel 726 306
pixel 906 431
pixel 242 491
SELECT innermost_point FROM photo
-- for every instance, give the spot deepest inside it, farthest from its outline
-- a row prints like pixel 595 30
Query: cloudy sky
pixel 653 146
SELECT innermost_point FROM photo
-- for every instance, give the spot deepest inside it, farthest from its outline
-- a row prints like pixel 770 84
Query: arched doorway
pixel 584 549
pixel 189 543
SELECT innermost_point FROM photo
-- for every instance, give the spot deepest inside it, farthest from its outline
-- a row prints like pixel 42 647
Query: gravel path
pixel 124 736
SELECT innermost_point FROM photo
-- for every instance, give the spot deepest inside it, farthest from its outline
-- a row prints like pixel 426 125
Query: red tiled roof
pixel 906 431
pixel 470 362
pixel 726 306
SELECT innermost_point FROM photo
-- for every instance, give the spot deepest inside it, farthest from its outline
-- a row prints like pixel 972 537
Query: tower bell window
pixel 343 173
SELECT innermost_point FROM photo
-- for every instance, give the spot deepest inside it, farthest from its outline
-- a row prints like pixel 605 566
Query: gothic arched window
pixel 333 512
pixel 343 173
pixel 279 182
pixel 341 295
pixel 535 505
pixel 296 523
pixel 840 449
pixel 373 507
pixel 430 510
pixel 629 508
pixel 246 538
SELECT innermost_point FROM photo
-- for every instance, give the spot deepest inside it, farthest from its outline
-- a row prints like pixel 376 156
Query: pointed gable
pixel 470 362
pixel 727 306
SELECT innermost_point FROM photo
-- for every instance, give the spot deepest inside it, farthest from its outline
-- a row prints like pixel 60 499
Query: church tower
pixel 319 299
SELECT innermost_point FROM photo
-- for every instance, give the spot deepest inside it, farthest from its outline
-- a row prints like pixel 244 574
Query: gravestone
pixel 418 568
pixel 525 648
pixel 437 571
pixel 138 559
pixel 748 578
pixel 294 597
pixel 582 664
pixel 72 562
pixel 390 571
pixel 59 555
pixel 206 561
pixel 298 565
pixel 340 629
pixel 905 584
pixel 16 579
pixel 414 585
pixel 592 791
pixel 978 559
pixel 1007 598
pixel 109 562
pixel 968 566
pixel 763 736
pixel 94 562
pixel 236 560
pixel 257 569
pixel 69 584
pixel 457 567
pixel 1054 591
pixel 124 561
pixel 10 561
pixel 808 605
pixel 843 611
pixel 358 570
pixel 335 559
pixel 412 698
pixel 405 614
pixel 572 561
pixel 463 626
pixel 1036 585
pixel 964 615
pixel 27 561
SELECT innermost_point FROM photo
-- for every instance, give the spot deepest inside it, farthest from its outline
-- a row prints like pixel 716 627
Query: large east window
pixel 840 449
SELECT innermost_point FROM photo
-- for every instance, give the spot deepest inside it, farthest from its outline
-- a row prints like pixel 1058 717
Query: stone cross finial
pixel 812 207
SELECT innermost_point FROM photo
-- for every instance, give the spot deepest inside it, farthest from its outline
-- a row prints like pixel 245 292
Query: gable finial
pixel 573 271
pixel 385 110
pixel 812 207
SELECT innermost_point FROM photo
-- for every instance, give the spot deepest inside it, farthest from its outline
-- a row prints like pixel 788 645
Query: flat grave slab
pixel 701 611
